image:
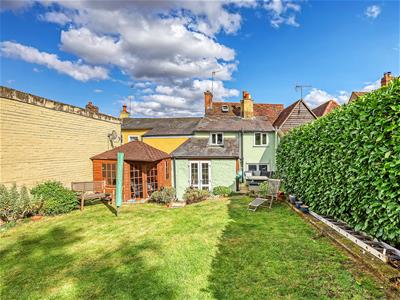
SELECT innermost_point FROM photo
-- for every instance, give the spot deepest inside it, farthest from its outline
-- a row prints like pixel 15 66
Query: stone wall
pixel 41 139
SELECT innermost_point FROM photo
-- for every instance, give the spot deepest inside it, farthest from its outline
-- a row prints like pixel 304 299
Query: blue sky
pixel 159 55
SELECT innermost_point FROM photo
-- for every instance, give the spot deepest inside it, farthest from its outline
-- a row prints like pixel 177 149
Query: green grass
pixel 214 249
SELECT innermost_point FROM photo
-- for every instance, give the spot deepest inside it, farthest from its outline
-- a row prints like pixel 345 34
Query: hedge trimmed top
pixel 347 164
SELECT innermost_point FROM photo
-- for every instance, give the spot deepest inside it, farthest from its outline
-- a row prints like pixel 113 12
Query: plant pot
pixel 298 204
pixel 304 209
pixel 292 199
pixel 36 218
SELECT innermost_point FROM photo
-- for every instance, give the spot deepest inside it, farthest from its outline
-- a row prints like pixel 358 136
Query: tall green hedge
pixel 347 164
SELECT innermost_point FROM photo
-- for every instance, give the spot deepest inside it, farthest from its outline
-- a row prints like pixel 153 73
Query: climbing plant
pixel 347 164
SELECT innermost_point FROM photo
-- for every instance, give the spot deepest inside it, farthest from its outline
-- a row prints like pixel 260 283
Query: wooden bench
pixel 90 190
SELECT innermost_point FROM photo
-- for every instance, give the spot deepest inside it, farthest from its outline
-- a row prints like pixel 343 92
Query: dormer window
pixel 260 139
pixel 217 139
pixel 225 108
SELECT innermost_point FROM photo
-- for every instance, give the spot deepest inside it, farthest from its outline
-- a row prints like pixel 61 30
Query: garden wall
pixel 41 139
pixel 347 164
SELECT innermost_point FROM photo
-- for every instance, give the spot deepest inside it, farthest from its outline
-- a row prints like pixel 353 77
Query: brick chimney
pixel 387 77
pixel 124 113
pixel 247 106
pixel 91 108
pixel 208 96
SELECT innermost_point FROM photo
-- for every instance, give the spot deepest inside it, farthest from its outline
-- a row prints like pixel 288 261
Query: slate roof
pixel 325 108
pixel 134 151
pixel 287 111
pixel 162 126
pixel 260 110
pixel 233 123
pixel 199 147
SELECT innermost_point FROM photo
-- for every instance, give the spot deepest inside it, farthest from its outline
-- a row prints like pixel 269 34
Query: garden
pixel 207 250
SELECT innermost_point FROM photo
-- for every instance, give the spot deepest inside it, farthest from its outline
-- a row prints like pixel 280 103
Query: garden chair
pixel 274 185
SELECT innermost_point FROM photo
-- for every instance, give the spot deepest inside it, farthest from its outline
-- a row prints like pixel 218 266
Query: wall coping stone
pixel 20 96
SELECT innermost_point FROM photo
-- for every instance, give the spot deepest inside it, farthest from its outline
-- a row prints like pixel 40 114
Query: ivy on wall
pixel 347 164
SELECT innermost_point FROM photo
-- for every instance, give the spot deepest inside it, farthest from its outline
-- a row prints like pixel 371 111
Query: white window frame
pixel 200 184
pixel 133 136
pixel 216 138
pixel 261 139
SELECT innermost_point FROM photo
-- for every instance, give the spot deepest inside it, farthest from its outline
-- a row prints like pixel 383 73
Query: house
pixel 230 139
pixel 145 170
pixel 385 80
pixel 325 108
pixel 296 114
pixel 165 134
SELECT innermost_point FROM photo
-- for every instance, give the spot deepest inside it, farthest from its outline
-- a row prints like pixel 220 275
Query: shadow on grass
pixel 273 254
pixel 48 266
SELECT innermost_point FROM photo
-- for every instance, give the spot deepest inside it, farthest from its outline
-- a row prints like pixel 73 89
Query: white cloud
pixel 182 99
pixel 36 70
pixel 77 71
pixel 171 47
pixel 372 11
pixel 282 12
pixel 370 86
pixel 98 90
pixel 55 17
pixel 316 97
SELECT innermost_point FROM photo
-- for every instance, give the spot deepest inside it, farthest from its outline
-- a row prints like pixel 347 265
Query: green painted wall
pixel 258 154
pixel 223 173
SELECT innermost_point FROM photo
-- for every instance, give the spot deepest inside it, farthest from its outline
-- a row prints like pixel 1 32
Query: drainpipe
pixel 174 172
pixel 276 146
pixel 241 155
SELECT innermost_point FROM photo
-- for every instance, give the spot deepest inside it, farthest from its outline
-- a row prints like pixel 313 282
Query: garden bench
pixel 90 190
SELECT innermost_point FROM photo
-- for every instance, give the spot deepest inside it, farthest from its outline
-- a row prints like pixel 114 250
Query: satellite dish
pixel 113 136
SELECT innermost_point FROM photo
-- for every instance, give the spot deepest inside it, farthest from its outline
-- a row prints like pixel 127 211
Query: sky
pixel 158 56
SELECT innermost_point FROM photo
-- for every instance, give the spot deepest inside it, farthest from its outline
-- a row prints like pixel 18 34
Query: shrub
pixel 15 204
pixel 192 195
pixel 165 195
pixel 54 198
pixel 222 191
pixel 347 164
pixel 265 189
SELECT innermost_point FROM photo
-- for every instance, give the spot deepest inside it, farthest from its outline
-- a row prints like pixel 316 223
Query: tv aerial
pixel 301 87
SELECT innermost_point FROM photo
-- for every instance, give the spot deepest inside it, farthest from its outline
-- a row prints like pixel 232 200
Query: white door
pixel 200 175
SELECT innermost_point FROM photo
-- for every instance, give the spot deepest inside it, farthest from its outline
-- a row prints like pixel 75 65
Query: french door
pixel 200 175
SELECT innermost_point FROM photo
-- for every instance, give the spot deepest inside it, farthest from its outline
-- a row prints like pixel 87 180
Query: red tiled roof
pixel 325 108
pixel 260 110
pixel 134 151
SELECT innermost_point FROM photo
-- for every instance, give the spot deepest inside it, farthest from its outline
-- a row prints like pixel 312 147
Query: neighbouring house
pixel 43 139
pixel 165 134
pixel 325 108
pixel 145 170
pixel 296 114
pixel 385 80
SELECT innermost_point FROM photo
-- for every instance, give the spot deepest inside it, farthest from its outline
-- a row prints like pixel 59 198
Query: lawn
pixel 214 249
